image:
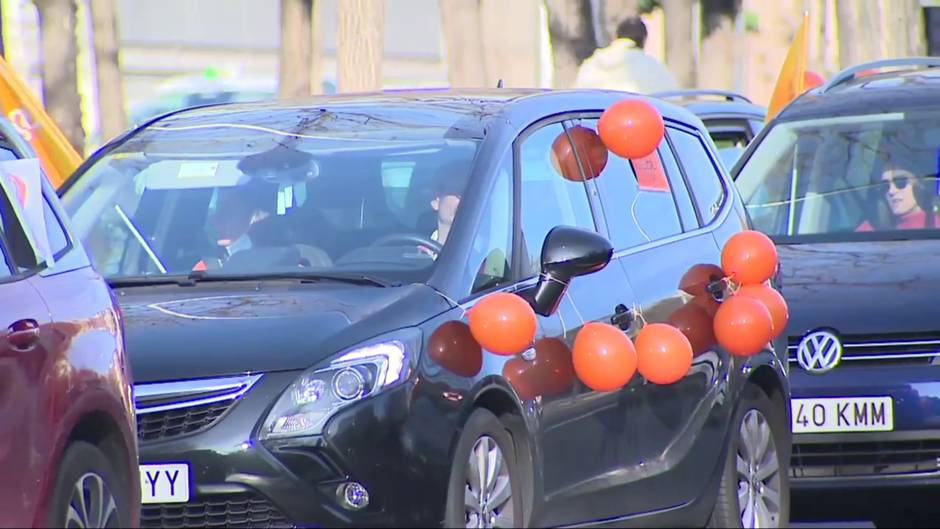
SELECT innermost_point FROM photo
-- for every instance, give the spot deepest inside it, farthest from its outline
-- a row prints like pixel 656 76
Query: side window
pixel 492 246
pixel 19 248
pixel 548 199
pixel 701 173
pixel 636 196
pixel 680 191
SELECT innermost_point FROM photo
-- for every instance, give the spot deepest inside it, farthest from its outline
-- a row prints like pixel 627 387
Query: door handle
pixel 622 317
pixel 23 335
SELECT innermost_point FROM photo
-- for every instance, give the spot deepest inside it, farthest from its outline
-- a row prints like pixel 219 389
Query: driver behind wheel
pixel 448 189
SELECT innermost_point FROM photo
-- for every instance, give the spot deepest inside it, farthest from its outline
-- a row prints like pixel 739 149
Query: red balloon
pixel 699 277
pixel 697 325
pixel 749 257
pixel 453 347
pixel 590 150
pixel 812 80
pixel 743 325
pixel 773 300
pixel 503 323
pixel 631 128
pixel 604 357
pixel 708 303
pixel 664 354
pixel 549 374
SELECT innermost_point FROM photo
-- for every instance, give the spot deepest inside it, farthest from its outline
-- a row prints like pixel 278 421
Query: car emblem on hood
pixel 819 352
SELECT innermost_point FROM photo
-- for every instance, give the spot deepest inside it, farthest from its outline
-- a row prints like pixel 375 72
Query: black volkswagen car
pixel 295 278
pixel 844 179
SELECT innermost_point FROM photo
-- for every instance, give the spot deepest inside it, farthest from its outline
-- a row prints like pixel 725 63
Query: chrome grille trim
pixel 189 393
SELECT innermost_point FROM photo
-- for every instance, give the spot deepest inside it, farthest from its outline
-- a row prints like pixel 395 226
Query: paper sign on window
pixel 650 174
pixel 22 181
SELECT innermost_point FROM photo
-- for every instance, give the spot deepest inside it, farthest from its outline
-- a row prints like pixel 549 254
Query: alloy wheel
pixel 488 492
pixel 92 504
pixel 758 471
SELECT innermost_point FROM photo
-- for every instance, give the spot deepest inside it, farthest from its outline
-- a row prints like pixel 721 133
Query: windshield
pixel 364 192
pixel 848 174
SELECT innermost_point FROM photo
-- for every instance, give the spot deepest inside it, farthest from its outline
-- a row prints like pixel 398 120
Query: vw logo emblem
pixel 819 352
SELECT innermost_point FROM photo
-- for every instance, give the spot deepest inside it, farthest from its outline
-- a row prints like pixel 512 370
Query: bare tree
pixel 361 45
pixel 717 66
pixel 858 27
pixel 463 36
pixel 680 40
pixel 902 30
pixel 571 29
pixel 108 68
pixel 296 57
pixel 59 76
pixel 609 15
pixel 511 41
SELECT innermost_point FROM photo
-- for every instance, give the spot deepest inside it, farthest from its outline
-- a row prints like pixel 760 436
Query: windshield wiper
pixel 203 277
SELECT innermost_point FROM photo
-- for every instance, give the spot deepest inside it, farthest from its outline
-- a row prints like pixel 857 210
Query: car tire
pixel 484 438
pixel 762 486
pixel 85 475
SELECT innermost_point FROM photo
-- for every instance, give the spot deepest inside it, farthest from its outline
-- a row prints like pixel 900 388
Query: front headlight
pixel 359 373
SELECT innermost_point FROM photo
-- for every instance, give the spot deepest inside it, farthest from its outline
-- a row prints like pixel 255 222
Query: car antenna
pixel 499 84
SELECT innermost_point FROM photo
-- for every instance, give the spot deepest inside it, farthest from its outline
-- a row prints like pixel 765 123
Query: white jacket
pixel 622 66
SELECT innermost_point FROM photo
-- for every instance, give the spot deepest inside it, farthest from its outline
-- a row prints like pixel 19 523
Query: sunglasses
pixel 899 182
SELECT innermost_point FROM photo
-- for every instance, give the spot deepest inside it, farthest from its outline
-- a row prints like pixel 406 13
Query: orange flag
pixel 792 79
pixel 56 155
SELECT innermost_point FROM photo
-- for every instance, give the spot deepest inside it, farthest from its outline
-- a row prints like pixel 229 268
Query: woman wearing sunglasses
pixel 905 196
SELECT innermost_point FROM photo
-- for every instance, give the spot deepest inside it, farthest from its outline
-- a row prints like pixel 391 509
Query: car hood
pixel 872 288
pixel 177 333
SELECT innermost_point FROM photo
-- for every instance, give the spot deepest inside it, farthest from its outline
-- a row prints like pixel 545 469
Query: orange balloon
pixel 631 128
pixel 698 277
pixel 590 149
pixel 695 323
pixel 812 79
pixel 664 354
pixel 604 357
pixel 773 300
pixel 749 257
pixel 743 325
pixel 453 347
pixel 503 323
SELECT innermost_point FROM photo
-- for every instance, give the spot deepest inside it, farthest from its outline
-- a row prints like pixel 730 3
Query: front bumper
pixel 237 480
pixel 906 456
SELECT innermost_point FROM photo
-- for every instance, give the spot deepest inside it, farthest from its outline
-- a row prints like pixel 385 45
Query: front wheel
pixel 87 492
pixel 754 491
pixel 483 490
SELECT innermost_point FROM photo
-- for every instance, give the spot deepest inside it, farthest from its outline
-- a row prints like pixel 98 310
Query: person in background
pixel 623 65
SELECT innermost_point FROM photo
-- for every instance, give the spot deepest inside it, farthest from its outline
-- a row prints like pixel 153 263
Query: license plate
pixel 167 483
pixel 843 414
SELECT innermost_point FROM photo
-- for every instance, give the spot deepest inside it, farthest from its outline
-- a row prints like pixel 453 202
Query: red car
pixel 68 436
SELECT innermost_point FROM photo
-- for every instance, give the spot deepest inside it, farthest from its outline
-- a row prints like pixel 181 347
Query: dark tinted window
pixel 548 199
pixel 701 173
pixel 19 248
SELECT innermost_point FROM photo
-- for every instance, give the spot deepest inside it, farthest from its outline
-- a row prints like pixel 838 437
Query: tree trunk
pixel 59 75
pixel 108 68
pixel 571 30
pixel 361 45
pixel 511 42
pixel 296 57
pixel 717 66
pixel 680 45
pixel 858 25
pixel 463 36
pixel 610 14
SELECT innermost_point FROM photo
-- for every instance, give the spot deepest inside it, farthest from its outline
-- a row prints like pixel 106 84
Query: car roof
pixel 474 109
pixel 870 94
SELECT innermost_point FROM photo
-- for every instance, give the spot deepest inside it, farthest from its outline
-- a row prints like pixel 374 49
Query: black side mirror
pixel 567 252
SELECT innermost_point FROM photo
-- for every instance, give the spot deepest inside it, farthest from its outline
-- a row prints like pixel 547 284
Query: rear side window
pixel 19 249
pixel 58 242
pixel 708 192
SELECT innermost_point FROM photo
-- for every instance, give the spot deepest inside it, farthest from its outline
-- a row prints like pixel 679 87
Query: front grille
pixel 172 423
pixel 883 350
pixel 864 459
pixel 229 510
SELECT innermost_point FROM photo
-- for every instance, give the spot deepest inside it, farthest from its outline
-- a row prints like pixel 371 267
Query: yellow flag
pixel 791 82
pixel 56 155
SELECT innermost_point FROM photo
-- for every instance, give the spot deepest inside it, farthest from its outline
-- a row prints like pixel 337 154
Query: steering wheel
pixel 409 238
